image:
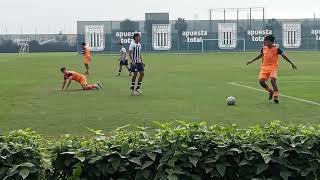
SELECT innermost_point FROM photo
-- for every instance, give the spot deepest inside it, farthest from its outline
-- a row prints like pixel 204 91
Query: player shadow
pixel 123 76
pixel 75 90
pixel 78 91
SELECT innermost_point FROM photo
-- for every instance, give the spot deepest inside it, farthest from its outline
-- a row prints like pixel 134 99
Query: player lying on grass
pixel 123 61
pixel 70 76
pixel 269 67
pixel 137 65
pixel 86 57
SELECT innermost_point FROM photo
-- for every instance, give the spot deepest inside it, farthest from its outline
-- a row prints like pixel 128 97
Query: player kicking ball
pixel 269 67
pixel 123 61
pixel 70 76
pixel 137 65
pixel 86 57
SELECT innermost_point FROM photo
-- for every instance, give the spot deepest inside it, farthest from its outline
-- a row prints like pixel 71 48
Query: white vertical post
pixel 202 46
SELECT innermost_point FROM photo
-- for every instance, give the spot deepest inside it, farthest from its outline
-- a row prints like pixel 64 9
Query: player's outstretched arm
pixel 69 82
pixel 63 85
pixel 294 67
pixel 258 57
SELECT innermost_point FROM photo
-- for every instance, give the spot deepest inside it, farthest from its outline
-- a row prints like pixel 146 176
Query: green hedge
pixel 182 151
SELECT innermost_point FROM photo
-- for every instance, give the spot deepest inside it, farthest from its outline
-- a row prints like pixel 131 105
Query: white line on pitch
pixel 282 95
pixel 283 82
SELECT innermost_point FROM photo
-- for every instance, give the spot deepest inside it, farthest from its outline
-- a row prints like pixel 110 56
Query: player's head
pixel 120 45
pixel 137 37
pixel 269 40
pixel 63 69
pixel 83 44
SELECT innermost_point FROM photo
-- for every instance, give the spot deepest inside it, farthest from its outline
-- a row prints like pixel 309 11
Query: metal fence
pixel 182 36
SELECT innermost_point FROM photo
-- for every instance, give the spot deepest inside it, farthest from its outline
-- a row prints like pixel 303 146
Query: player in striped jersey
pixel 123 61
pixel 137 65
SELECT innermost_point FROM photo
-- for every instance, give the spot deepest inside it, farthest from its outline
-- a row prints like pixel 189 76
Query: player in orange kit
pixel 86 56
pixel 269 67
pixel 80 78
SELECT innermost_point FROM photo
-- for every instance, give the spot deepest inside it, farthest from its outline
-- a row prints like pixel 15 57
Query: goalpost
pixel 24 48
pixel 217 41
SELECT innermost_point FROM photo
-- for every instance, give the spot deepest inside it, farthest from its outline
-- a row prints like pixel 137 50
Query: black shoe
pixel 271 95
pixel 276 100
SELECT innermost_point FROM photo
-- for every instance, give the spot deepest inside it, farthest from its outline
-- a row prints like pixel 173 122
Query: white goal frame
pixel 24 48
pixel 217 40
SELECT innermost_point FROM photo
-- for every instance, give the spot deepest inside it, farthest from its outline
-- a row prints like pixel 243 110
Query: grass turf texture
pixel 188 87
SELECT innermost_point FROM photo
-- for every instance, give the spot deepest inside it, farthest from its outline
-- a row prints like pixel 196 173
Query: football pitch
pixel 176 87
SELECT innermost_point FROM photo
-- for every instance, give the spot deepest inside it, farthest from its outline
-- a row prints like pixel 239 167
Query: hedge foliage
pixel 184 151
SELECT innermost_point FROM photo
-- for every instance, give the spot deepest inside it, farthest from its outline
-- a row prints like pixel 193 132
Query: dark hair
pixel 270 38
pixel 62 69
pixel 83 44
pixel 120 44
pixel 136 35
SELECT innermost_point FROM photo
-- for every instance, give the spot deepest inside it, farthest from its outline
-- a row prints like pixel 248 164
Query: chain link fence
pixel 175 36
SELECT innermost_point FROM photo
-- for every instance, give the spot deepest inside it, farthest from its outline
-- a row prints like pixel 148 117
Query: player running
pixel 123 61
pixel 137 65
pixel 269 67
pixel 70 76
pixel 86 57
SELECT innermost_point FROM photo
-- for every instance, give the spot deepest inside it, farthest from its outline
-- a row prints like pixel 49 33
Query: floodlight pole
pixel 6 32
pixel 250 16
pixel 237 18
pixel 314 20
pixel 210 20
pixel 263 15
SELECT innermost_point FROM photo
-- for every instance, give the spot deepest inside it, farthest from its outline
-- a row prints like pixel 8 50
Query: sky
pixel 50 16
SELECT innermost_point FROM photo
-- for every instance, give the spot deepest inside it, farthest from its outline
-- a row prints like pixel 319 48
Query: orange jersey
pixel 86 52
pixel 80 78
pixel 270 58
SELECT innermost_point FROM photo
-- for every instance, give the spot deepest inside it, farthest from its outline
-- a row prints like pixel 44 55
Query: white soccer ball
pixel 231 101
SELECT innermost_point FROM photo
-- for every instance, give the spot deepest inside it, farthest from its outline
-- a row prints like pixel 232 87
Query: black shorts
pixel 138 67
pixel 124 62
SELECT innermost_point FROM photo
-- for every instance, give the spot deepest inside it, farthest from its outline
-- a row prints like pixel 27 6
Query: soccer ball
pixel 231 101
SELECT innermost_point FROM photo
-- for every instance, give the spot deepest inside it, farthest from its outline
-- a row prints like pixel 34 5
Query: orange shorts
pixel 87 60
pixel 83 80
pixel 268 74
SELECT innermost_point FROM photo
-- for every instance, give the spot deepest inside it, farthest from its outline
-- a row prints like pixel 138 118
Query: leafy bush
pixel 20 156
pixel 183 151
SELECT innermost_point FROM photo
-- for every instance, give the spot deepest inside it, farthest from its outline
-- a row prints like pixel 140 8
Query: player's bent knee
pixel 84 87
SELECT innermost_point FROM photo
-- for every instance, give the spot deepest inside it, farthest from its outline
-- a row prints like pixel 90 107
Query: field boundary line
pixel 282 95
pixel 243 82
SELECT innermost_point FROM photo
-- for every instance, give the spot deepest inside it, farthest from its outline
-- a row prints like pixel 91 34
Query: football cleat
pixel 139 91
pixel 131 92
pixel 99 85
pixel 271 95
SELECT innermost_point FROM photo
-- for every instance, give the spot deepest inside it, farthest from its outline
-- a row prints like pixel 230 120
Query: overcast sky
pixel 47 16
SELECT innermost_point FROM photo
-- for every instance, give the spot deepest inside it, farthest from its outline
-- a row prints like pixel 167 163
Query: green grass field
pixel 184 87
